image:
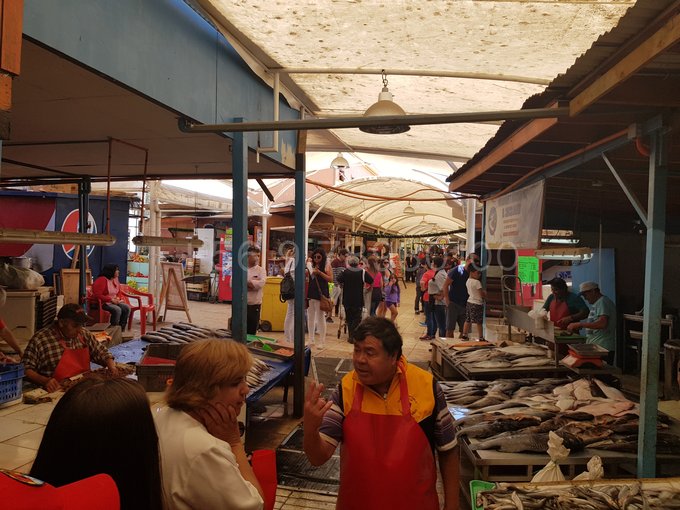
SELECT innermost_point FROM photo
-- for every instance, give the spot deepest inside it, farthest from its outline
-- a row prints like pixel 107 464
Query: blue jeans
pixel 440 319
pixel 429 319
pixel 119 314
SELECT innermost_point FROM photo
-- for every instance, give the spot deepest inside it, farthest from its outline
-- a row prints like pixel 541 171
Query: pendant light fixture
pixel 409 209
pixel 339 163
pixel 385 107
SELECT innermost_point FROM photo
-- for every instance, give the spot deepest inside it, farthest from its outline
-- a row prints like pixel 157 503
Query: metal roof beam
pixel 663 39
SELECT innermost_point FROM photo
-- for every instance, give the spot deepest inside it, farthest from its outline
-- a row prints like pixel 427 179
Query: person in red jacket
pixel 107 289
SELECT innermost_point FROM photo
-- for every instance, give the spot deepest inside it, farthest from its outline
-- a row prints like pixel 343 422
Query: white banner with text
pixel 515 220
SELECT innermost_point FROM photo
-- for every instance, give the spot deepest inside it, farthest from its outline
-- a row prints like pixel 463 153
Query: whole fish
pixel 488 429
pixel 516 442
pixel 531 361
pixel 491 399
pixel 586 432
pixel 491 364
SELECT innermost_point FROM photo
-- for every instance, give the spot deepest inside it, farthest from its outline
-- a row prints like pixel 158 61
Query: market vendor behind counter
pixel 564 306
pixel 64 350
pixel 601 322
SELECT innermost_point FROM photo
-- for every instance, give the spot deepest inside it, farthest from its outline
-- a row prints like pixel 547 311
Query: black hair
pixel 558 283
pixel 437 263
pixel 104 425
pixel 109 271
pixel 321 252
pixel 253 249
pixel 384 330
pixel 343 252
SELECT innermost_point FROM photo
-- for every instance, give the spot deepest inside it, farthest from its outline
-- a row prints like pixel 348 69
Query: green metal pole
pixel 651 330
pixel 300 254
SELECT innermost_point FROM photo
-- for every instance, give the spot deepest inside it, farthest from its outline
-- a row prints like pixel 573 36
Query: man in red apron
pixel 64 349
pixel 564 306
pixel 389 416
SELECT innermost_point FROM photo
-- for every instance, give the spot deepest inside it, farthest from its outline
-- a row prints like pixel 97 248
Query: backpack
pixel 287 289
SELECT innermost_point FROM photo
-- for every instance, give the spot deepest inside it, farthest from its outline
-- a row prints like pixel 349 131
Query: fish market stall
pixel 484 361
pixel 652 494
pixel 503 428
pixel 518 316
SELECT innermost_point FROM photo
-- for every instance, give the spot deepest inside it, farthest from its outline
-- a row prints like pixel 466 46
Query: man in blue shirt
pixel 601 323
pixel 456 291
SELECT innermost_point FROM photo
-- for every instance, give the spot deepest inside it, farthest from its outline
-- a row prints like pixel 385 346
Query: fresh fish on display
pixel 586 432
pixel 609 392
pixel 523 350
pixel 606 407
pixel 533 361
pixel 492 364
pixel 154 339
pixel 222 333
pixel 516 442
pixel 491 399
pixel 488 429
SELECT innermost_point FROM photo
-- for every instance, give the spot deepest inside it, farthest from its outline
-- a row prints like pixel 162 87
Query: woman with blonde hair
pixel 204 463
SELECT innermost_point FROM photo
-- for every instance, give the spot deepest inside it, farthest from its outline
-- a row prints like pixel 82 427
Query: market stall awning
pixel 393 205
pixel 440 57
pixel 629 76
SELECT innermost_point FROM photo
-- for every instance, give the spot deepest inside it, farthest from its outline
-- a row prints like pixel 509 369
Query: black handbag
pixel 287 288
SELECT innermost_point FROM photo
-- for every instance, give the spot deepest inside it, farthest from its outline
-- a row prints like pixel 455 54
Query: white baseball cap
pixel 586 286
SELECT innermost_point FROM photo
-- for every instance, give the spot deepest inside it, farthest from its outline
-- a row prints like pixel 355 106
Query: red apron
pixel 72 362
pixel 385 460
pixel 558 310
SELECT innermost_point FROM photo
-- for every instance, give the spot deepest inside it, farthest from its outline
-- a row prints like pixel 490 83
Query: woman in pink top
pixel 107 289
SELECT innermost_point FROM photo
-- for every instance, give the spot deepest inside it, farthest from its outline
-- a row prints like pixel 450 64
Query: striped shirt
pixel 44 351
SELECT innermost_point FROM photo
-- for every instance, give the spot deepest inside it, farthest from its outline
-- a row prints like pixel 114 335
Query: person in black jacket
pixel 353 280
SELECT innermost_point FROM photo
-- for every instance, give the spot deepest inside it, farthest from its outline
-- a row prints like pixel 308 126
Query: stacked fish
pixel 256 375
pixel 512 356
pixel 184 333
pixel 625 496
pixel 516 415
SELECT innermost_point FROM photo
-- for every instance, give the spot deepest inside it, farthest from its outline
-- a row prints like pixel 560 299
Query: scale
pixel 585 355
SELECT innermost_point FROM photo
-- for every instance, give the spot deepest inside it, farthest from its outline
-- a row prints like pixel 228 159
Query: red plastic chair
pixel 95 308
pixel 142 301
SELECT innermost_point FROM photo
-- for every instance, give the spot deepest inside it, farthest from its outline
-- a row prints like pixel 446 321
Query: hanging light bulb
pixel 385 107
pixel 409 209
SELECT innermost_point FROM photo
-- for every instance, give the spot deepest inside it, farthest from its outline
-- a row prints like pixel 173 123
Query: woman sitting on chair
pixel 106 289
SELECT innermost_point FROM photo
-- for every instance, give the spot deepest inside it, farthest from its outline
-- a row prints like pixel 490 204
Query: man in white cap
pixel 601 322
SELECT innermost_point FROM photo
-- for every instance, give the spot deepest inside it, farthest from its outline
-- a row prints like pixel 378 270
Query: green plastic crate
pixel 477 486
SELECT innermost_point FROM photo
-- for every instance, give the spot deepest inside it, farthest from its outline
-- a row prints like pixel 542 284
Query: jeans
pixel 429 319
pixel 119 314
pixel 440 319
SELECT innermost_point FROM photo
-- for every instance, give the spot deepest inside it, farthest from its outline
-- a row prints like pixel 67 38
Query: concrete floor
pixel 22 425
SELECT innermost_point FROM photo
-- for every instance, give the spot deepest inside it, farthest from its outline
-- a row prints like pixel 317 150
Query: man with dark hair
pixel 565 307
pixel 390 417
pixel 353 280
pixel 64 349
pixel 257 277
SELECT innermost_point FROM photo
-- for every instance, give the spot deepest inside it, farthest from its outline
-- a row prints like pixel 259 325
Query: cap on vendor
pixel 64 349
pixel 564 306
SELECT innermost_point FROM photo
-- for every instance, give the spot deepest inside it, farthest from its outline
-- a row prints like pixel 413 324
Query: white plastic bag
pixel 594 470
pixel 20 278
pixel 557 452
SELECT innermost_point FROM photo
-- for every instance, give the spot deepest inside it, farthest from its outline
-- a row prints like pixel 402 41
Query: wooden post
pixel 11 27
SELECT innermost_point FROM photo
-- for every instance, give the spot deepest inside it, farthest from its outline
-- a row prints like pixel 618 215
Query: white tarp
pixel 514 221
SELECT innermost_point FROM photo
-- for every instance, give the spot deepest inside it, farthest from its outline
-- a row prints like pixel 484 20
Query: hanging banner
pixel 515 220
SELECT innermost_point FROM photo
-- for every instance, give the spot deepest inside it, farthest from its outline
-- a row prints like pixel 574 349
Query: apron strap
pixel 403 391
pixel 358 397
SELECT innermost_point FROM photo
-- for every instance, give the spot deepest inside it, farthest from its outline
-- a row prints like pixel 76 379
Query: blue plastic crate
pixel 11 377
